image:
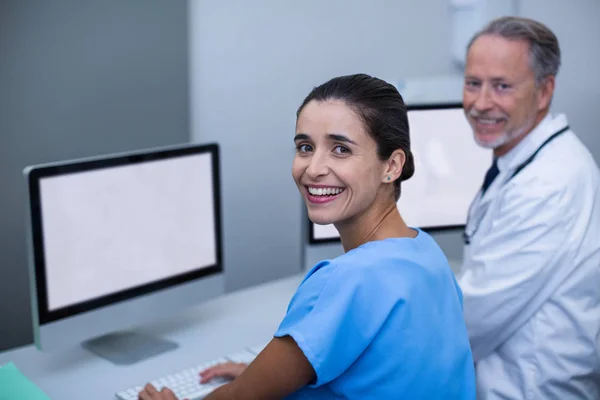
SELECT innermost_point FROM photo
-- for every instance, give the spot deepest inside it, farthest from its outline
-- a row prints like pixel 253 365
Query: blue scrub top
pixel 383 321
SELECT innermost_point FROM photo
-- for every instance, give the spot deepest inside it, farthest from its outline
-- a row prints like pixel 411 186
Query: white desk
pixel 211 330
pixel 216 328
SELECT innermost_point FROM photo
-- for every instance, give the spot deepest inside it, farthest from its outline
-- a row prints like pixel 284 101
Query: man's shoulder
pixel 564 167
pixel 570 156
pixel 560 181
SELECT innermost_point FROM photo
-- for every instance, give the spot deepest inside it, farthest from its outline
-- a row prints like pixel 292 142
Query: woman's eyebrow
pixel 301 136
pixel 340 138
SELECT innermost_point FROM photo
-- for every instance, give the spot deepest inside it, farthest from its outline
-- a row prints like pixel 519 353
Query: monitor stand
pixel 126 348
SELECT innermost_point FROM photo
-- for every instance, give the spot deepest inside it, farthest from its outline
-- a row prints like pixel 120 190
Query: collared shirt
pixel 531 273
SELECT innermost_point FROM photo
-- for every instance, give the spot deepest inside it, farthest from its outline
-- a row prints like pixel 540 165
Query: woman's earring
pixel 389 178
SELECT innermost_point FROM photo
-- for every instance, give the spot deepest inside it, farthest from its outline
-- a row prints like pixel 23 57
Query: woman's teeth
pixel 332 191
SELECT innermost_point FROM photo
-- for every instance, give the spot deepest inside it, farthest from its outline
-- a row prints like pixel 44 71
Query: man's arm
pixel 517 266
pixel 278 371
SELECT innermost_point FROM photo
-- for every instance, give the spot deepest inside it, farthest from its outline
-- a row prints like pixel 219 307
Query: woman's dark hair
pixel 382 110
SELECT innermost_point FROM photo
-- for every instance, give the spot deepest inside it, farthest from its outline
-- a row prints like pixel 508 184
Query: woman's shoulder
pixel 421 250
pixel 395 261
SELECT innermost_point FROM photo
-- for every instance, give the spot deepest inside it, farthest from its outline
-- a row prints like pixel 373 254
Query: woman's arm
pixel 278 371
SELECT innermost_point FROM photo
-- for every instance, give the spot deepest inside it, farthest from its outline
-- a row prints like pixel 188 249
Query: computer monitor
pixel 120 240
pixel 449 169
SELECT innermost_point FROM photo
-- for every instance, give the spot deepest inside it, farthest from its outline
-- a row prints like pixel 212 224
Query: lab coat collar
pixel 530 143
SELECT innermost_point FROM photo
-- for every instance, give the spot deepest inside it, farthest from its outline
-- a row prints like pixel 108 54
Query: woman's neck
pixel 372 226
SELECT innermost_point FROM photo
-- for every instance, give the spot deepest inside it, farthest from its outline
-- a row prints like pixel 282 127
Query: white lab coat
pixel 531 273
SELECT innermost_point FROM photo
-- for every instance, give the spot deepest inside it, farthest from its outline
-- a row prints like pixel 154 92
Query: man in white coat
pixel 531 272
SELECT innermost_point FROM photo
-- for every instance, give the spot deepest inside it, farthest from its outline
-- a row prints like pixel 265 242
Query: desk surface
pixel 216 328
pixel 213 329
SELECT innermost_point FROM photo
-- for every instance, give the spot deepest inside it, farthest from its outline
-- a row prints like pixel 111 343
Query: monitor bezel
pixel 429 229
pixel 35 174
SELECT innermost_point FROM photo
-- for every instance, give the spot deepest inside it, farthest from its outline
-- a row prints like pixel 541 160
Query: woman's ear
pixel 395 163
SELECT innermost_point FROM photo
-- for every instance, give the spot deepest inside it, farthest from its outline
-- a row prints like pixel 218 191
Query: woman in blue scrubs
pixel 384 320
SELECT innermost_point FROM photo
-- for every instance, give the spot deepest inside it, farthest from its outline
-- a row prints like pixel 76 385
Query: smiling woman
pixel 365 325
pixel 348 146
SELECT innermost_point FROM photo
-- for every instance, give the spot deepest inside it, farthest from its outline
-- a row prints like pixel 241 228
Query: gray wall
pixel 80 78
pixel 252 63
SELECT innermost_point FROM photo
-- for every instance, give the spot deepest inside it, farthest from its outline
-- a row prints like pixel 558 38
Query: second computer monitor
pixel 449 169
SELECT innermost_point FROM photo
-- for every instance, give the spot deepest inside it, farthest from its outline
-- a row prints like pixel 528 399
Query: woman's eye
pixel 303 148
pixel 341 150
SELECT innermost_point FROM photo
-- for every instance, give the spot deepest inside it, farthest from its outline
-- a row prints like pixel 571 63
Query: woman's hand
pixel 228 370
pixel 150 393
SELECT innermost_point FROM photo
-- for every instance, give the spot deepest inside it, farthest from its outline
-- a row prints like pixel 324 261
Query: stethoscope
pixel 470 231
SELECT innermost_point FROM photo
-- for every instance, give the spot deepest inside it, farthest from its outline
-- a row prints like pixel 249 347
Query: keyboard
pixel 186 383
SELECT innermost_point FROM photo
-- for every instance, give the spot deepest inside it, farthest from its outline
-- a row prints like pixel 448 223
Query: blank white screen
pixel 118 228
pixel 449 169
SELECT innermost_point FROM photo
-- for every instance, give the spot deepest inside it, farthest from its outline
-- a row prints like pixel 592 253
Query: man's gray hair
pixel 544 50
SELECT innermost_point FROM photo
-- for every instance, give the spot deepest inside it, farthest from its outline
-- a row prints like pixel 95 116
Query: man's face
pixel 501 99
